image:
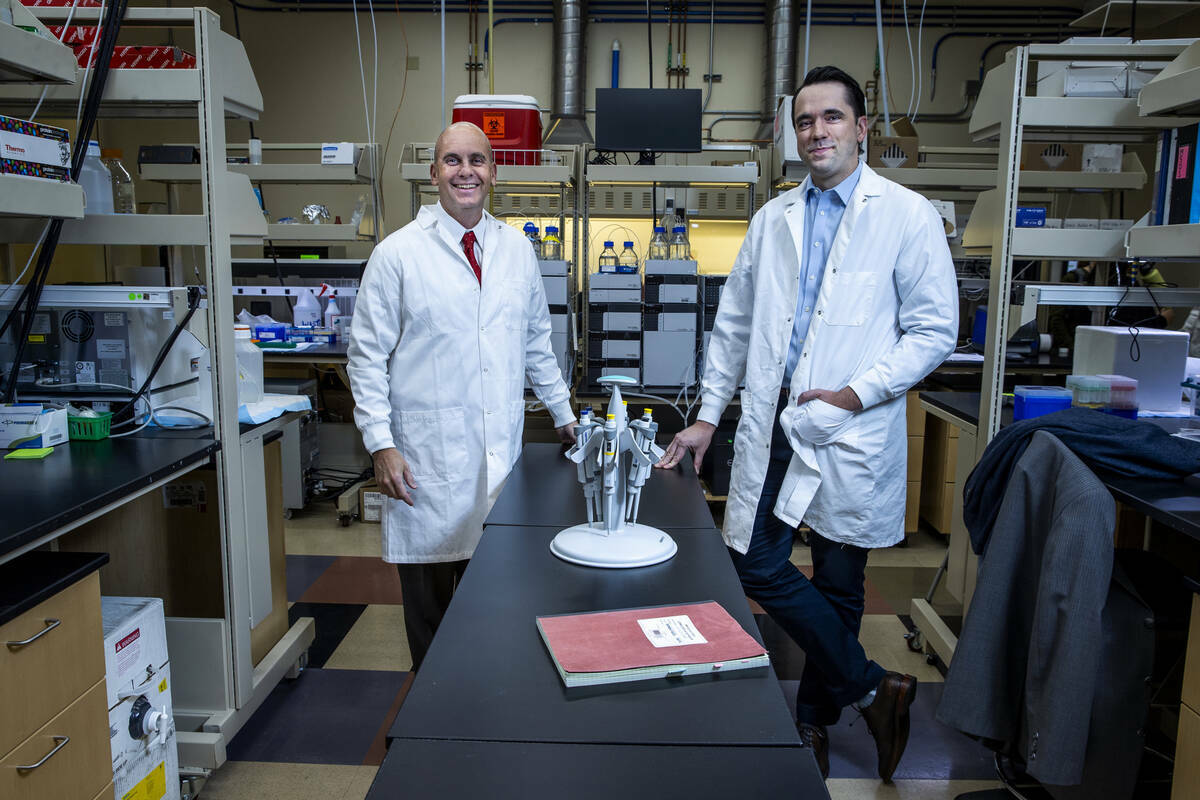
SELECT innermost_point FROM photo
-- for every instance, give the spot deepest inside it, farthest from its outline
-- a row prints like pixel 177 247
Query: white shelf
pixel 506 174
pixel 963 179
pixel 26 56
pixel 1165 241
pixel 38 197
pixel 1175 90
pixel 152 92
pixel 1060 294
pixel 324 232
pixel 1117 14
pixel 673 175
pixel 1065 244
pixel 261 173
pixel 117 229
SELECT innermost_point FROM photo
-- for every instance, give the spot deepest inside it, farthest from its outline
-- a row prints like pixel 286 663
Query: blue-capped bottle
pixel 531 233
pixel 627 262
pixel 680 251
pixel 551 244
pixel 660 249
pixel 608 258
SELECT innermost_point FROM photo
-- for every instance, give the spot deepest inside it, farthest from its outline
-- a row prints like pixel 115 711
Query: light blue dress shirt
pixel 823 212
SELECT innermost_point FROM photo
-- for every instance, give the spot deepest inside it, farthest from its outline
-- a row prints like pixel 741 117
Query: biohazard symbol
pixel 493 126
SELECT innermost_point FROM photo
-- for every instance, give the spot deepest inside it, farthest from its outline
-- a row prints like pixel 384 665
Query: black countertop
pixel 1173 503
pixel 81 477
pixel 544 489
pixel 420 769
pixel 488 677
pixel 32 578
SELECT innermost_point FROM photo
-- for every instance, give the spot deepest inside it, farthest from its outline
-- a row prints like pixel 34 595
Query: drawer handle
pixel 61 743
pixel 51 624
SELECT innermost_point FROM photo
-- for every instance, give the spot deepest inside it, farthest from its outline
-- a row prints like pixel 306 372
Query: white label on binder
pixel 671 631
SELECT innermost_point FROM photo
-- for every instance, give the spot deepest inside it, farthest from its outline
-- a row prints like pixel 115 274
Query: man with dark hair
pixel 842 297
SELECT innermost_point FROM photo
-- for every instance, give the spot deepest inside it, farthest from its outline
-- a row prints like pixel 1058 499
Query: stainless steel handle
pixel 51 624
pixel 61 743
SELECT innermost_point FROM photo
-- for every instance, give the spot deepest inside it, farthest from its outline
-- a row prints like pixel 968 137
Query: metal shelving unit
pixel 38 198
pixel 1005 112
pixel 217 686
pixel 34 57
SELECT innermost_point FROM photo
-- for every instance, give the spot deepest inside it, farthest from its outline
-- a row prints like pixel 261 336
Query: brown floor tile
pixel 378 748
pixel 356 579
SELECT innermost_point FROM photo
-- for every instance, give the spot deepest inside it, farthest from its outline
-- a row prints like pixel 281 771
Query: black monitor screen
pixel 660 120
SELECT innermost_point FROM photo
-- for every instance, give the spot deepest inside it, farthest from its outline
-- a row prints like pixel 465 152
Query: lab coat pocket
pixel 515 302
pixel 818 422
pixel 435 443
pixel 852 298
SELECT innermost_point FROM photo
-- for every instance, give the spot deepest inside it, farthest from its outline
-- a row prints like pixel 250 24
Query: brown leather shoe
pixel 816 738
pixel 887 719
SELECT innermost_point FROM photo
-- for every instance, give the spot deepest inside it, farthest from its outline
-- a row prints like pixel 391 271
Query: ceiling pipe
pixel 780 68
pixel 568 125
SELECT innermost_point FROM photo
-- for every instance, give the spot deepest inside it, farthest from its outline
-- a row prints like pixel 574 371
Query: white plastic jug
pixel 250 366
pixel 307 313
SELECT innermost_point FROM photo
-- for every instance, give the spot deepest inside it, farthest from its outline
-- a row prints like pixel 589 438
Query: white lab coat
pixel 437 365
pixel 886 315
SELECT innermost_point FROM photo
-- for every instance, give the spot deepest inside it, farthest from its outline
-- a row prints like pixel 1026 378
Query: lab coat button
pixel 818 312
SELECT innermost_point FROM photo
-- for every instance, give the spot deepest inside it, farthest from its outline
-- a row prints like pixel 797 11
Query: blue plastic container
pixel 1037 401
pixel 271 333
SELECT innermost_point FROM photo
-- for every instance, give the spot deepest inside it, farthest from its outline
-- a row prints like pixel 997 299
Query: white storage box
pixel 1157 362
pixel 24 425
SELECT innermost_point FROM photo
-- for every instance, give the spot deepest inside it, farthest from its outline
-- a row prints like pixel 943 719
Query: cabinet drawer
pixel 43 676
pixel 80 767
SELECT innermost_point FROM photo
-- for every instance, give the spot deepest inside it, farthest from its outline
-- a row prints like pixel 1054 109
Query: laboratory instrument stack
pixel 670 315
pixel 614 327
pixel 555 272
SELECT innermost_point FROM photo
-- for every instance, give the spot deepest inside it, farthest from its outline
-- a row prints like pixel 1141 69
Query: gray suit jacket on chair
pixel 1033 649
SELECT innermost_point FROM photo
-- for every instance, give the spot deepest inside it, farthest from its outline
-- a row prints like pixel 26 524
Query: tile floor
pixel 322 735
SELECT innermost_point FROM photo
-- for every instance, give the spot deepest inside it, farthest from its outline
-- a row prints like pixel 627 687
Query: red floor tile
pixel 356 579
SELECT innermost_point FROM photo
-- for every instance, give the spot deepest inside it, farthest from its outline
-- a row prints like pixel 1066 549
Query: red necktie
pixel 468 243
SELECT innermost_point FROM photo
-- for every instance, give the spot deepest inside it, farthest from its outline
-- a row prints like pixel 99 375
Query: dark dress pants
pixel 823 616
pixel 426 591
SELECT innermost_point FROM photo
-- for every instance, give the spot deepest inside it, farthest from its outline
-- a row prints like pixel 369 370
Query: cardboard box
pixel 25 425
pixel 1051 157
pixel 337 153
pixel 370 503
pixel 139 57
pixel 34 150
pixel 1103 157
pixel 901 150
pixel 1081 223
pixel 916 457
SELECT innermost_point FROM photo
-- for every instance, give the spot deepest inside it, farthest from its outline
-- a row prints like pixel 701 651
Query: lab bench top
pixel 335 352
pixel 1172 503
pixel 421 769
pixel 36 576
pixel 544 489
pixel 79 478
pixel 488 677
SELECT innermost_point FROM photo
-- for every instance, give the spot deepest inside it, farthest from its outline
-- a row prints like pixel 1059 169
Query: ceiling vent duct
pixel 568 124
pixel 780 67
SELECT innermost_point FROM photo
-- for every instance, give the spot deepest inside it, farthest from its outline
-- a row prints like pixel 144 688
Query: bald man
pixel 450 320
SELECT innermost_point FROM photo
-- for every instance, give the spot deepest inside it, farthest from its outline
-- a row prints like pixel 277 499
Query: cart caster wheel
pixel 287 513
pixel 344 520
pixel 930 659
pixel 915 641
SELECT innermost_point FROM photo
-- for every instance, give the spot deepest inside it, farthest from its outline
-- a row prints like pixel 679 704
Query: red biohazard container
pixel 511 122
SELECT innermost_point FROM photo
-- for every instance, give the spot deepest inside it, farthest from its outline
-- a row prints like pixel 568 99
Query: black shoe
pixel 816 738
pixel 887 719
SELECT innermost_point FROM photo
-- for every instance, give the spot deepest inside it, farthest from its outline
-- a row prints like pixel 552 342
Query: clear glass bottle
pixel 669 220
pixel 680 251
pixel 659 249
pixel 628 260
pixel 608 258
pixel 122 182
pixel 551 244
pixel 96 182
pixel 531 233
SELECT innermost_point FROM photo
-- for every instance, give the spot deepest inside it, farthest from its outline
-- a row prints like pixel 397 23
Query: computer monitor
pixel 648 120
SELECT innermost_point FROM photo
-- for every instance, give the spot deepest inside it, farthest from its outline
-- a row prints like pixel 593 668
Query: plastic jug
pixel 249 366
pixel 307 313
pixel 608 258
pixel 96 181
